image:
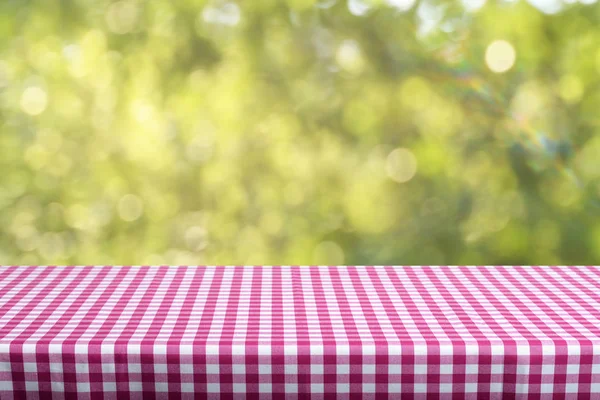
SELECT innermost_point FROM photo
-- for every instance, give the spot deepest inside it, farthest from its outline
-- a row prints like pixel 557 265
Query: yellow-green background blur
pixel 299 132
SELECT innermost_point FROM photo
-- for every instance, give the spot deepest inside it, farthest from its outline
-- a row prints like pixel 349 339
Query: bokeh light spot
pixel 51 246
pixel 76 216
pixel 401 5
pixel 358 7
pixel 349 57
pixel 415 93
pixel 401 165
pixel 547 6
pixel 473 5
pixel 36 156
pixel 271 223
pixel 122 16
pixel 223 14
pixel 570 88
pixel 27 238
pixel 200 149
pixel 130 207
pixel 34 100
pixel 196 238
pixel 500 56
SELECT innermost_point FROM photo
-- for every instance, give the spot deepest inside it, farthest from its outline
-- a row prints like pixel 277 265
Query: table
pixel 284 332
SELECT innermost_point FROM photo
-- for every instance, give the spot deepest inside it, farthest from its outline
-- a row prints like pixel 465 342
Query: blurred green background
pixel 299 132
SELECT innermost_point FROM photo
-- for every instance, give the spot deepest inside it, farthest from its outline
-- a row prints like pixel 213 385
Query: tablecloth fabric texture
pixel 283 332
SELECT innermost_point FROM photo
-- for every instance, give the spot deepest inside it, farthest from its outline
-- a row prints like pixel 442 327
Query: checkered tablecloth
pixel 284 332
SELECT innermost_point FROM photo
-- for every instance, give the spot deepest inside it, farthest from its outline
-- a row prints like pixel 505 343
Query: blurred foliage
pixel 299 132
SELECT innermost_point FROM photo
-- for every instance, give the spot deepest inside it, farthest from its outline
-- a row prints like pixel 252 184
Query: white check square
pixel 420 388
pixel 239 388
pixel 316 350
pixel 317 387
pixel 213 388
pixel 394 369
pixel 108 368
pixel 161 387
pixel 134 368
pixel 571 388
pixel 496 387
pixel 394 388
pixel 343 349
pixel 420 369
pixel 291 388
pixel 497 369
pixel 81 368
pixel 186 369
pixel 368 368
pixel 471 369
pixel 368 350
pixel 238 369
pixel 264 369
pixel 291 369
pixel 265 387
pixel 445 388
pixel 343 388
pixel 29 367
pixel 546 388
pixel 212 369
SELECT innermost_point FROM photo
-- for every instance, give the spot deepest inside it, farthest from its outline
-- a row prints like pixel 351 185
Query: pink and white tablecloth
pixel 287 332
